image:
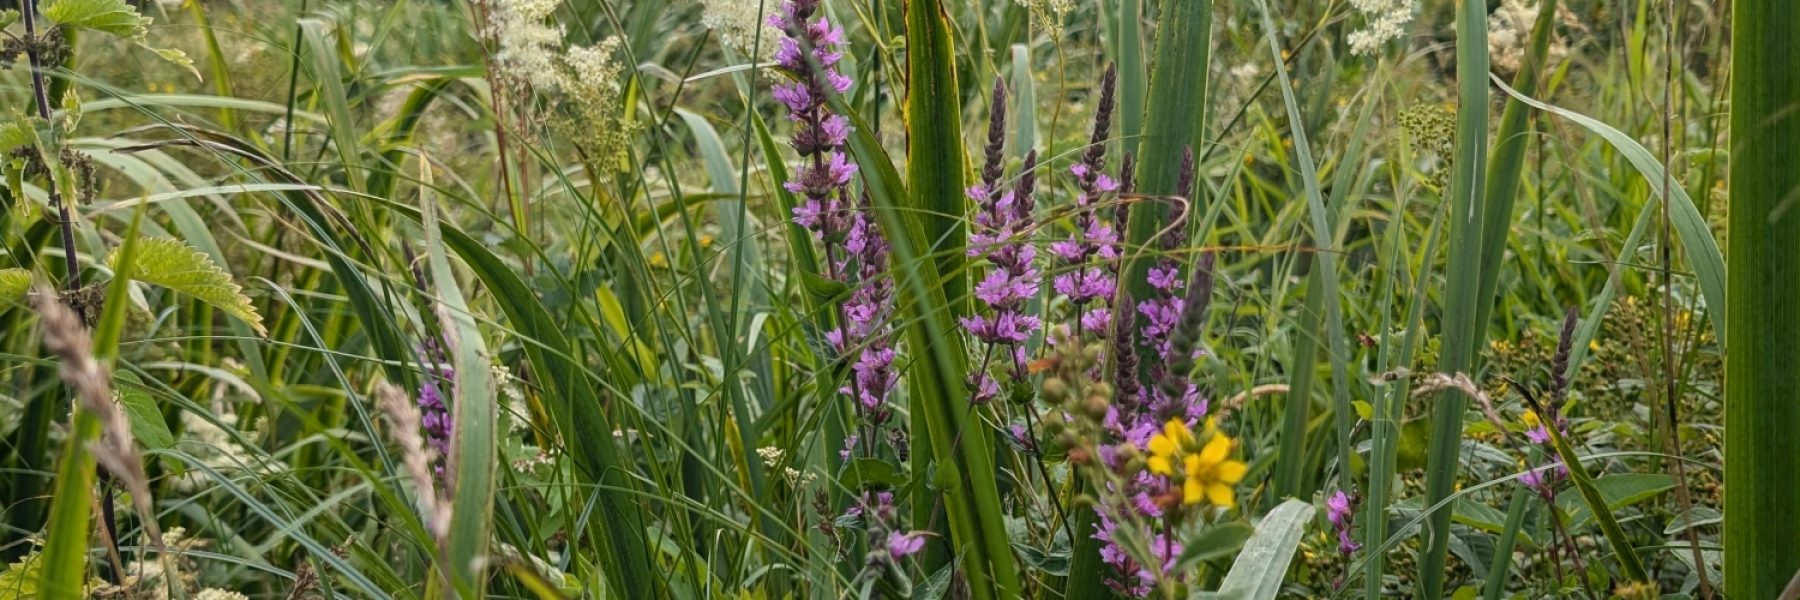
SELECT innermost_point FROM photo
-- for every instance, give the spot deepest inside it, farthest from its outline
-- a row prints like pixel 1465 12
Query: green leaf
pixel 1619 491
pixel 7 18
pixel 147 424
pixel 179 267
pixel 71 110
pixel 108 16
pixel 175 57
pixel 1259 569
pixel 14 285
pixel 1216 541
pixel 867 471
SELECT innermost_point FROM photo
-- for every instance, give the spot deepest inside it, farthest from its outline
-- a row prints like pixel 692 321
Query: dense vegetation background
pixel 989 299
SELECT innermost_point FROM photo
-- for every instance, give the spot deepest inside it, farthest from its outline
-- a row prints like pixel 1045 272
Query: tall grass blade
pixel 1762 375
pixel 1323 296
pixel 1461 331
pixel 1696 236
pixel 473 441
pixel 935 165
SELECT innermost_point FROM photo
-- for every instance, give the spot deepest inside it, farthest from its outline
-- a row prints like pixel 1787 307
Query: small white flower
pixel 737 23
pixel 1386 21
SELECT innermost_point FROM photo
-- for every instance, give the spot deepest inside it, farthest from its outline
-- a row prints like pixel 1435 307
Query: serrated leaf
pixel 8 17
pixel 109 16
pixel 175 57
pixel 14 284
pixel 147 424
pixel 17 132
pixel 179 267
pixel 71 109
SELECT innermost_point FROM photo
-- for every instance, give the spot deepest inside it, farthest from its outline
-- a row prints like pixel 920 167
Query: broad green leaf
pixel 14 285
pixel 109 16
pixel 1216 541
pixel 179 267
pixel 147 424
pixel 866 471
pixel 1259 569
pixel 8 17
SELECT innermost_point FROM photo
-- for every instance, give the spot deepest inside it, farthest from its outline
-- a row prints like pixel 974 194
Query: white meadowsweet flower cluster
pixel 1509 32
pixel 219 451
pixel 219 594
pixel 529 46
pixel 1386 21
pixel 737 22
pixel 580 85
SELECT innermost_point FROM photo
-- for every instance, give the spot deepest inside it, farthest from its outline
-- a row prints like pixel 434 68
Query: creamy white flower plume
pixel 1386 21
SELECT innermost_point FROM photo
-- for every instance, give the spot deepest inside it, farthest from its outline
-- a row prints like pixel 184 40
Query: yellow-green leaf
pixel 8 17
pixel 14 284
pixel 110 16
pixel 179 267
pixel 174 57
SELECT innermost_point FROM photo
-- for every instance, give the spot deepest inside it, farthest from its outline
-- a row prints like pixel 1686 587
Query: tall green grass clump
pixel 827 299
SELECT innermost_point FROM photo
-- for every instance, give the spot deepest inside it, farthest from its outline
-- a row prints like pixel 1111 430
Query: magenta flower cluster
pixel 1340 509
pixel 1003 219
pixel 1087 280
pixel 856 252
pixel 1138 580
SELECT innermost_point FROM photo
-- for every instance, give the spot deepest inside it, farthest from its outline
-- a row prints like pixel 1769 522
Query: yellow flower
pixel 1210 474
pixel 1530 418
pixel 1163 446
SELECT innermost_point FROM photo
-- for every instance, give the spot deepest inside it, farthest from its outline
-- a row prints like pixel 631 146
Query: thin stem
pixel 41 94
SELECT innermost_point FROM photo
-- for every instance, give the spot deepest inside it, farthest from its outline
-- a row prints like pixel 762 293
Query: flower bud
pixel 1055 390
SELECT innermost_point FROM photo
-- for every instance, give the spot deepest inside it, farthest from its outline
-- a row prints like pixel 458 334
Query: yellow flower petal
pixel 1231 471
pixel 1220 495
pixel 1215 450
pixel 1177 431
pixel 1161 446
pixel 1191 465
pixel 1160 465
pixel 1191 492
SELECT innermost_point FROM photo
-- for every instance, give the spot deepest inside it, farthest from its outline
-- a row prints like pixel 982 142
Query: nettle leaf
pixel 8 17
pixel 179 267
pixel 14 284
pixel 110 16
pixel 147 424
pixel 174 57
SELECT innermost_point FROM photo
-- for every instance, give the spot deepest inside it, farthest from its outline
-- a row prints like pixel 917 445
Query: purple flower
pixel 1340 508
pixel 902 545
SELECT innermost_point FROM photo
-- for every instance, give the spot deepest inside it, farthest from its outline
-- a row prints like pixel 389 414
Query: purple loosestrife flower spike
pixel 1093 237
pixel 996 139
pixel 856 251
pixel 1559 364
pixel 1002 220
